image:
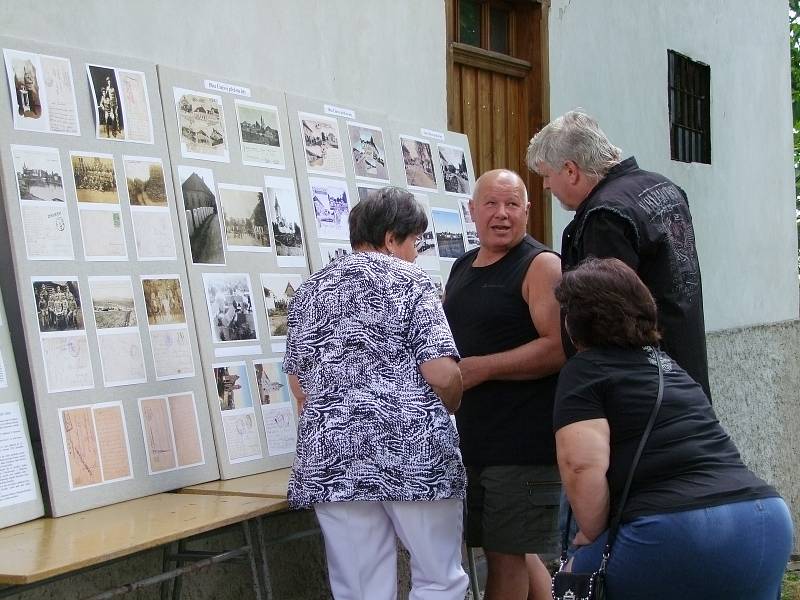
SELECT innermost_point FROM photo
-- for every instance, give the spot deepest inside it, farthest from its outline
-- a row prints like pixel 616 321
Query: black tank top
pixel 500 422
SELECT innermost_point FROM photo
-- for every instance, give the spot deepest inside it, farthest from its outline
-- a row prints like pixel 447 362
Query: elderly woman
pixel 697 524
pixel 371 359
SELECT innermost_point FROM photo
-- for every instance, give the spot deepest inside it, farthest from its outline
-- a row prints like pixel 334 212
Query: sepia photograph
pixel 279 289
pixel 454 170
pixel 144 178
pixel 25 83
pixel 201 125
pixel 229 299
pixel 95 180
pixel 470 231
pixel 369 151
pixel 107 102
pixel 186 429
pixel 285 221
pixel 260 134
pixel 322 144
pixel 427 252
pixel 233 386
pixel 112 302
pixel 38 173
pixel 331 251
pixel 331 207
pixel 157 431
pixel 449 233
pixel 245 218
pixel 163 300
pixel 80 446
pixel 273 387
pixel 58 305
pixel 202 215
pixel 418 163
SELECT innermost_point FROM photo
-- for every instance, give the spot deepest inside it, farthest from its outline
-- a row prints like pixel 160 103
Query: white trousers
pixel 362 555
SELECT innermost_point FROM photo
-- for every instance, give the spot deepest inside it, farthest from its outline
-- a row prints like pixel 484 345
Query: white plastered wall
pixel 610 58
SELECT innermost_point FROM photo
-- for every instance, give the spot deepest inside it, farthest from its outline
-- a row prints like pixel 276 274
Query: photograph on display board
pixel 285 221
pixel 58 305
pixel 109 114
pixel 427 252
pixel 470 231
pixel 369 151
pixel 144 178
pixel 438 283
pixel 279 289
pixel 322 144
pixel 38 172
pixel 112 301
pixel 229 299
pixel 163 300
pixel 273 387
pixel 260 134
pixel 121 104
pixel 201 125
pixel 233 386
pixel 157 431
pixel 95 180
pixel 276 407
pixel 42 92
pixel 202 215
pixel 418 163
pixel 449 233
pixel 364 190
pixel 455 175
pixel 331 207
pixel 330 251
pixel 244 217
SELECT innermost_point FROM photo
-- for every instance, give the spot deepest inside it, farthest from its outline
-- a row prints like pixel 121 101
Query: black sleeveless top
pixel 500 422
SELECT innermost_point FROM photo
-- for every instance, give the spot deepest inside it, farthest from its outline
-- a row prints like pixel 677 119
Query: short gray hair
pixel 577 137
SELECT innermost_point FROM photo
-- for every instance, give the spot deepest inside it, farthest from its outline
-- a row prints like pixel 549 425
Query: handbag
pixel 592 586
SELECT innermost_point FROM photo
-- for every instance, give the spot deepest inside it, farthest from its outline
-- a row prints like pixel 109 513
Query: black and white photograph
pixel 163 300
pixel 112 302
pixel 285 221
pixel 322 144
pixel 331 207
pixel 201 125
pixel 202 215
pixel 418 163
pixel 229 298
pixel 107 102
pixel 260 134
pixel 95 179
pixel 449 233
pixel 369 151
pixel 455 175
pixel 427 252
pixel 58 305
pixel 331 251
pixel 364 190
pixel 245 218
pixel 145 180
pixel 438 283
pixel 470 231
pixel 279 289
pixel 38 172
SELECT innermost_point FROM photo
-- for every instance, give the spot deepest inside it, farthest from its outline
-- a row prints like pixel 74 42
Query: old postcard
pixel 369 151
pixel 136 105
pixel 112 441
pixel 322 144
pixel 449 233
pixel 233 386
pixel 438 283
pixel 470 231
pixel 62 110
pixel 110 117
pixel 157 431
pixel 241 435
pixel 172 352
pixel 245 218
pixel 427 251
pixel 418 163
pixel 153 233
pixel 47 231
pixel 102 232
pixel 38 173
pixel 163 299
pixel 67 362
pixel 121 357
pixel 58 304
pixel 285 221
pixel 201 125
pixel 273 387
pixel 229 299
pixel 144 180
pixel 455 175
pixel 280 428
pixel 185 429
pixel 330 251
pixel 112 302
pixel 279 289
pixel 80 447
pixel 330 198
pixel 260 134
pixel 17 484
pixel 201 212
pixel 95 178
pixel 365 190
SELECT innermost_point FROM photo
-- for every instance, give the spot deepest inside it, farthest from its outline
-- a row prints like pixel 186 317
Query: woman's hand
pixel 443 375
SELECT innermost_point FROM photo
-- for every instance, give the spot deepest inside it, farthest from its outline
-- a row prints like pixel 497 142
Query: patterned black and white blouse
pixel 371 429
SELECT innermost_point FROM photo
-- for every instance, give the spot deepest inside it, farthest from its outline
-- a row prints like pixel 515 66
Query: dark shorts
pixel 513 509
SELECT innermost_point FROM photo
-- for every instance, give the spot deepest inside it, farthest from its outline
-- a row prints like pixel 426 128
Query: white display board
pixel 98 290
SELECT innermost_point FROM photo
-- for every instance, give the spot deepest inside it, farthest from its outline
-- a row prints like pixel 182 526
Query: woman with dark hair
pixel 371 359
pixel 697 524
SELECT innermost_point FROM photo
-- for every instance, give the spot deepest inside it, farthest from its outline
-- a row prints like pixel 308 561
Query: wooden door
pixel 495 90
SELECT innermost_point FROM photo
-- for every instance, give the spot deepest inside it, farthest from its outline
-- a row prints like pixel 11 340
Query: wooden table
pixel 45 548
pixel 272 484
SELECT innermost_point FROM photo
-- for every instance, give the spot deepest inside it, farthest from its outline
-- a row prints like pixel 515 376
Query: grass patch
pixel 791 586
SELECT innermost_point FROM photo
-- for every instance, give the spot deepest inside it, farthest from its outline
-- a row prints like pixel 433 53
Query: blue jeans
pixel 731 552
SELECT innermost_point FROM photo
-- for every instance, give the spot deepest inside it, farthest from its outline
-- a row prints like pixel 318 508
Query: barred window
pixel 689 109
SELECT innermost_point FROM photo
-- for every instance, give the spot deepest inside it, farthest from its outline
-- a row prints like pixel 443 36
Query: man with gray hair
pixel 639 217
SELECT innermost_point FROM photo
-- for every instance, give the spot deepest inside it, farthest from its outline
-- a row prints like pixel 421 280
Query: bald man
pixel 505 321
